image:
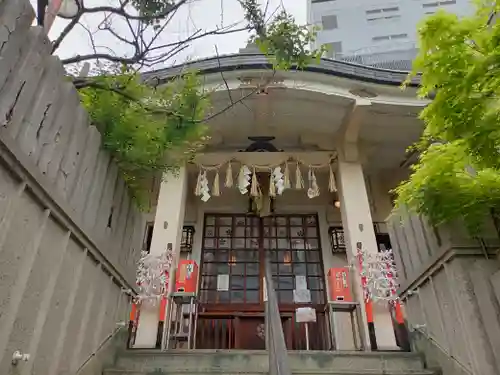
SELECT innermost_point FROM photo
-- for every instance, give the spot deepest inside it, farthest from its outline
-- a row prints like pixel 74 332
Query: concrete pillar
pixel 169 220
pixel 358 227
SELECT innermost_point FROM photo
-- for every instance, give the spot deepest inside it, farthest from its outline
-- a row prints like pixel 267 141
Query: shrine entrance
pixel 232 292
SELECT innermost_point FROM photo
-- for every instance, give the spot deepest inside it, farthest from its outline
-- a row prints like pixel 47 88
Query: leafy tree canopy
pixel 457 174
pixel 152 129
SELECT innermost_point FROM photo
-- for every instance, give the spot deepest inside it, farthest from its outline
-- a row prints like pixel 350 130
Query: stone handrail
pixel 278 356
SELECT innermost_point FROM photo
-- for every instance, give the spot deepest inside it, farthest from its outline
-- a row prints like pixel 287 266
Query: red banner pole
pixel 367 300
pixel 397 305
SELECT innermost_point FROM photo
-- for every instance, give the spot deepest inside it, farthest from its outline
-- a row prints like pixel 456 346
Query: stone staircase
pixel 240 362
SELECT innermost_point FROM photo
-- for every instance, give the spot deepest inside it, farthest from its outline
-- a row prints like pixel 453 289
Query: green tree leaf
pixel 459 59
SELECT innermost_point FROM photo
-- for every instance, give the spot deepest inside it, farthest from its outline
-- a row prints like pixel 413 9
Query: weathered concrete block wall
pixel 450 285
pixel 69 233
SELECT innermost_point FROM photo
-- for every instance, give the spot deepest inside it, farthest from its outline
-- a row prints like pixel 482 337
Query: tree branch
pixel 121 12
pixel 142 55
pixel 74 21
pixel 81 83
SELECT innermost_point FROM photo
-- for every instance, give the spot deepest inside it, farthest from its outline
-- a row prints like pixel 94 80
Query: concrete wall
pixel 69 233
pixel 451 285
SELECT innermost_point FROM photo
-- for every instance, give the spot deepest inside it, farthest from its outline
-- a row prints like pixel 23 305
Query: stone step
pixel 330 372
pixel 231 362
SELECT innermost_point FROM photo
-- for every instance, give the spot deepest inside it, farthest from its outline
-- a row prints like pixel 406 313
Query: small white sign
pixel 300 282
pixel 305 315
pixel 223 282
pixel 301 296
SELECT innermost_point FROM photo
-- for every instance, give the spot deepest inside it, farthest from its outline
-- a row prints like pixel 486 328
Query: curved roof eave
pixel 253 61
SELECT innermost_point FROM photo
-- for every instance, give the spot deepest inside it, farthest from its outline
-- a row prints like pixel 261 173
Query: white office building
pixel 375 32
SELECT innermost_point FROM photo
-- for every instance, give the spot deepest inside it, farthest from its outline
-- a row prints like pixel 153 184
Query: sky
pixel 198 15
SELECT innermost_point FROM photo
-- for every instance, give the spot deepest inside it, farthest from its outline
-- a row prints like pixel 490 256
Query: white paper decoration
pixel 244 179
pixel 380 273
pixel 278 179
pixel 152 277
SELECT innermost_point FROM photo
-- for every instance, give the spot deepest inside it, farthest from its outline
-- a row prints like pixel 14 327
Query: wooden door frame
pixel 258 308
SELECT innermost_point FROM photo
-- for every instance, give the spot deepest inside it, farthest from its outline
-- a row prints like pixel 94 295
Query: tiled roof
pixel 248 61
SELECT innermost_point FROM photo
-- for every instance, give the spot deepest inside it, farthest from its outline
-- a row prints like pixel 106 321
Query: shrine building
pixel 298 171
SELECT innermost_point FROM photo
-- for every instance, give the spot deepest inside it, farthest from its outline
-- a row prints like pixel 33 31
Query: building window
pixel 374 19
pixel 389 37
pixel 382 10
pixel 333 49
pixel 399 36
pixel 439 3
pixel 329 22
pixel 382 14
pixel 380 38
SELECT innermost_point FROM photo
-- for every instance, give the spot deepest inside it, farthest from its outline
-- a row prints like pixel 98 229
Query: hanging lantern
pixel 337 241
pixel 187 238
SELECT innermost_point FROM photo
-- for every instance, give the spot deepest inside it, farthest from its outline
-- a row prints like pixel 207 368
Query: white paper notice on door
pixel 300 282
pixel 305 315
pixel 222 282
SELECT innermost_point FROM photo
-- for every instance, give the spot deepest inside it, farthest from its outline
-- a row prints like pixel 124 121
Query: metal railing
pixel 275 338
pixel 393 57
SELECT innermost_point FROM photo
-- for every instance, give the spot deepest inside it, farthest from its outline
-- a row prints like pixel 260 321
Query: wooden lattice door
pixel 232 285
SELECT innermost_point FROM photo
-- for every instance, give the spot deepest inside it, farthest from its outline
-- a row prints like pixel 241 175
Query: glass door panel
pixel 233 253
pixel 231 260
pixel 293 244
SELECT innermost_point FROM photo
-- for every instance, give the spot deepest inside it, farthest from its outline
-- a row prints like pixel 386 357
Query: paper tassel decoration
pixel 254 189
pixel 299 182
pixel 229 176
pixel 286 177
pixel 197 189
pixel 215 186
pixel 315 184
pixel 272 186
pixel 332 185
pixel 313 190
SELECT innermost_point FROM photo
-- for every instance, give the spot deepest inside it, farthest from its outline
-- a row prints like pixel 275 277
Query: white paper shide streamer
pixel 244 179
pixel 248 183
pixel 278 180
pixel 313 190
pixel 204 189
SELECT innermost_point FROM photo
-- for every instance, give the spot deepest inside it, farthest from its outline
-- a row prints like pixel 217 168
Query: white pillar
pixel 358 227
pixel 169 220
